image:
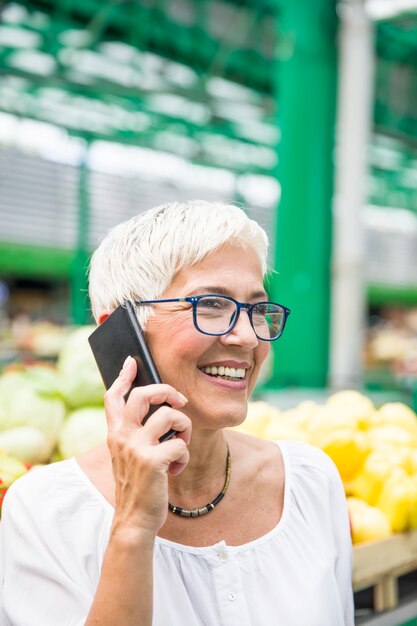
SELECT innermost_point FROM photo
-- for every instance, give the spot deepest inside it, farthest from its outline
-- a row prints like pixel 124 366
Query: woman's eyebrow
pixel 221 291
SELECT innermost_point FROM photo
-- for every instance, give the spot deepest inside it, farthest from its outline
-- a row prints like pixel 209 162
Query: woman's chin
pixel 215 415
pixel 230 420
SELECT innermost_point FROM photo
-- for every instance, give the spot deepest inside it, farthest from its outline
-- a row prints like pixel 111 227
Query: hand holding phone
pixel 118 337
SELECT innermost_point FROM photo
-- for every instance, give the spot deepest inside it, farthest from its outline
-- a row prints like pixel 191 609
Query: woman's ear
pixel 103 316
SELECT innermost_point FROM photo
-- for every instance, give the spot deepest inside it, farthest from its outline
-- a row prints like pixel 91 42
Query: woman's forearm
pixel 124 592
pixel 140 464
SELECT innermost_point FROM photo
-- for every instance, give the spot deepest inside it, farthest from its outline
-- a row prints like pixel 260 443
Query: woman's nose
pixel 242 332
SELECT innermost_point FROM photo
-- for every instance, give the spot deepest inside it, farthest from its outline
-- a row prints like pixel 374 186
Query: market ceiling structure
pixel 396 77
pixel 393 152
pixel 199 78
pixel 194 78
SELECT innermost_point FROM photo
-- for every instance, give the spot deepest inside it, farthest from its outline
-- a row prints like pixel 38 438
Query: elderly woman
pixel 213 526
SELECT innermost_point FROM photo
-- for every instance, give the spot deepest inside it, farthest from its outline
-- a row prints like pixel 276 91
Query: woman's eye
pixel 210 303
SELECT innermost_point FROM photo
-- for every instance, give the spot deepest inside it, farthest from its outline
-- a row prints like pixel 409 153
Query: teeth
pixel 231 372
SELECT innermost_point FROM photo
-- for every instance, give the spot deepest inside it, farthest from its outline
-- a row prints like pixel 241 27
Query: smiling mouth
pixel 225 373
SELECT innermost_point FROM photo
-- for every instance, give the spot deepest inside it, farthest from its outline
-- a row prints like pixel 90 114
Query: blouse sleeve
pixel 320 494
pixel 343 542
pixel 43 582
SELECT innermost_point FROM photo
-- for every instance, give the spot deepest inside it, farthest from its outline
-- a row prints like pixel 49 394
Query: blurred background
pixel 304 112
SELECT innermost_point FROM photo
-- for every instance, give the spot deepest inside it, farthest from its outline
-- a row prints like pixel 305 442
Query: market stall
pixel 104 114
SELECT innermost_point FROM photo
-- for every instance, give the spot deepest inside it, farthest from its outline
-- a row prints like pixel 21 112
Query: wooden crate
pixel 379 564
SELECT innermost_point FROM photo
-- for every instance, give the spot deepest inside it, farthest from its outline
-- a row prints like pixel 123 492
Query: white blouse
pixel 55 528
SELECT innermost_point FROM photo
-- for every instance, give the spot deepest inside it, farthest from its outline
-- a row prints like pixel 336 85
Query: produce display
pixel 391 345
pixel 23 337
pixel 50 412
pixel 53 412
pixel 374 449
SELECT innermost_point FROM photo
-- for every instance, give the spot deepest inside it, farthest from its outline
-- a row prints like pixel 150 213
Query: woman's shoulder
pixel 40 479
pixel 246 442
pixel 53 527
pixel 305 466
pixel 305 455
pixel 299 454
pixel 312 476
pixel 46 490
pixel 254 452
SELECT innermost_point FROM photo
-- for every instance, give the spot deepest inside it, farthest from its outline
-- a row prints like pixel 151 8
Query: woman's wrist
pixel 127 567
pixel 130 537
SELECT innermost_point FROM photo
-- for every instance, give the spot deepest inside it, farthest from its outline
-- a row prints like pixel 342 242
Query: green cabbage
pixel 30 397
pixel 81 383
pixel 83 430
pixel 26 444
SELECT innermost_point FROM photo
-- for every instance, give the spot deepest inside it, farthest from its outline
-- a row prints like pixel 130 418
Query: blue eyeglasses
pixel 217 315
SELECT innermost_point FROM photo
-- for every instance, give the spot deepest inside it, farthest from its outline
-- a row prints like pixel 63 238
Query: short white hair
pixel 138 259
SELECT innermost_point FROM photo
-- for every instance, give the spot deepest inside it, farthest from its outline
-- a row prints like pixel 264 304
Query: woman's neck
pixel 207 466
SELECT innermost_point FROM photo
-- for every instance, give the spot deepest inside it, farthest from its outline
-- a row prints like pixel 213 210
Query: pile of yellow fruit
pixel 374 449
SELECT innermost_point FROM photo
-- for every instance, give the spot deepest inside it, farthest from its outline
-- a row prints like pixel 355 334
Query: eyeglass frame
pixel 194 300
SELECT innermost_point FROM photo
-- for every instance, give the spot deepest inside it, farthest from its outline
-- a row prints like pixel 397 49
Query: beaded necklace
pixel 211 505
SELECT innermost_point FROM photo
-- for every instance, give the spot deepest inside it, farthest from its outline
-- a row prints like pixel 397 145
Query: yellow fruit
pixel 396 500
pixel 397 414
pixel 351 398
pixel 283 429
pixel 413 461
pixel 302 414
pixel 355 503
pixel 390 435
pixel 10 470
pixel 352 403
pixel 376 470
pixel 347 448
pixel 328 419
pixel 400 456
pixel 367 522
pixel 413 506
pixel 258 416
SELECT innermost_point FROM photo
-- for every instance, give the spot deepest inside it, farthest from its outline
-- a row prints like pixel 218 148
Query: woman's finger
pixel 141 399
pixel 162 421
pixel 173 453
pixel 114 398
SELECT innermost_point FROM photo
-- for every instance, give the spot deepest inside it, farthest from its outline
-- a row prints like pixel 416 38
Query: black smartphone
pixel 118 337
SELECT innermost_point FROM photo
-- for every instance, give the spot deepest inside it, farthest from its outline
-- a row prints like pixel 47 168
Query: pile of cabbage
pixel 53 412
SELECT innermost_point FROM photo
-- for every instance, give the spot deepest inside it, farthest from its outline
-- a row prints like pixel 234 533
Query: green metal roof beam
pixel 150 140
pixel 157 121
pixel 388 294
pixel 387 122
pixel 153 30
pixel 396 44
pixel 25 260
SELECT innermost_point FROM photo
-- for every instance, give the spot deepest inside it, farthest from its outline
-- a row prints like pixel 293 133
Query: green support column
pixel 306 94
pixel 79 285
